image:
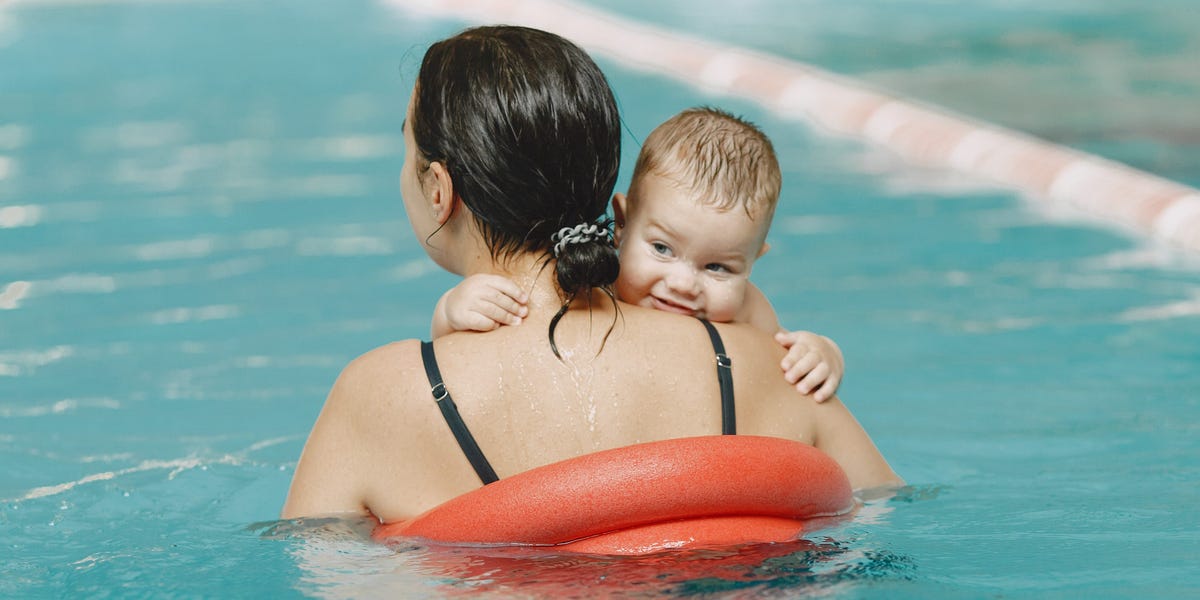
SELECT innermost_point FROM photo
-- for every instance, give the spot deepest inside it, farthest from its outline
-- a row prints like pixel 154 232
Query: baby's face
pixel 681 256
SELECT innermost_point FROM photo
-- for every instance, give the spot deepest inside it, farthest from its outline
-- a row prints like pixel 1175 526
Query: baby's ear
pixel 765 247
pixel 618 206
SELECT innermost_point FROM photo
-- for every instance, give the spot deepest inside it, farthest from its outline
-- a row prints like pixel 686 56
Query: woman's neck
pixel 531 272
pixel 536 276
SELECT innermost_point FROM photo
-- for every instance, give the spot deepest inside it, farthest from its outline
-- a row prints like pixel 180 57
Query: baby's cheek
pixel 724 300
pixel 628 289
pixel 635 278
pixel 720 313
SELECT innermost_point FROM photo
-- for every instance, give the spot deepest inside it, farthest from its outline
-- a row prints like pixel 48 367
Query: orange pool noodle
pixel 687 492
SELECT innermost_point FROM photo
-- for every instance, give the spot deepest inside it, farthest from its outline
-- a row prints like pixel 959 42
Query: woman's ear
pixel 618 206
pixel 441 193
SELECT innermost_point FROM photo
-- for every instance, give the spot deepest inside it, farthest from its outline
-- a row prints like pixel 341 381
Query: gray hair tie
pixel 582 233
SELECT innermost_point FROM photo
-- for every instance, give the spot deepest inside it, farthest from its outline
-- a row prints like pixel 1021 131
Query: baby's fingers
pixel 827 389
pixel 794 355
pixel 503 309
pixel 785 339
pixel 795 367
pixel 507 288
pixel 477 320
pixel 818 375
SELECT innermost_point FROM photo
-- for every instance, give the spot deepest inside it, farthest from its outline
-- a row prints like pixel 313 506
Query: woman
pixel 512 143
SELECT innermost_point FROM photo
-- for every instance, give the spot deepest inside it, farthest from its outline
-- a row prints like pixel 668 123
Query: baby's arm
pixel 479 303
pixel 814 364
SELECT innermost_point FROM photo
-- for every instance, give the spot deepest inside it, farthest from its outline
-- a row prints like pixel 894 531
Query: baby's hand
pixel 814 364
pixel 483 303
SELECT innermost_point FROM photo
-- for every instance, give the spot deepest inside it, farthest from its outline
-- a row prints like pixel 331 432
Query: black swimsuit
pixel 470 447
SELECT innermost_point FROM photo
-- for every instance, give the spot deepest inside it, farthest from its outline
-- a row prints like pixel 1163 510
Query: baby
pixel 700 202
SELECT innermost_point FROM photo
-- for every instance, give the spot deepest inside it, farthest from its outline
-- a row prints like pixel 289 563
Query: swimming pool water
pixel 1115 78
pixel 200 225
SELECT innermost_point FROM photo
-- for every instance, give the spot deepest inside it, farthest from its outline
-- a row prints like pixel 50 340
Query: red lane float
pixel 687 492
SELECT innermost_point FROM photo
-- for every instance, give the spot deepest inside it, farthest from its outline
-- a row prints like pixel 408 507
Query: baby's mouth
pixel 668 306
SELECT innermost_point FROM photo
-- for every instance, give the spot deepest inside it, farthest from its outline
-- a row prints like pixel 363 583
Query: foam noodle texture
pixel 699 491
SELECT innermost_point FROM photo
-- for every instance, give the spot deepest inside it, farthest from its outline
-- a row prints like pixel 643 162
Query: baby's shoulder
pixel 757 311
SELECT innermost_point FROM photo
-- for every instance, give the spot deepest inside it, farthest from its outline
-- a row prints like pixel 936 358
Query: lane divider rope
pixel 923 134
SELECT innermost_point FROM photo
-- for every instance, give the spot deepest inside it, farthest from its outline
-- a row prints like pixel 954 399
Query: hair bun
pixel 586 257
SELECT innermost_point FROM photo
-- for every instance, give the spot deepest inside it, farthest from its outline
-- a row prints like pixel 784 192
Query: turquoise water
pixel 200 225
pixel 1117 78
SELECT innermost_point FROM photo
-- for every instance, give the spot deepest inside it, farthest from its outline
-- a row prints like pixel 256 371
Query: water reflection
pixel 338 560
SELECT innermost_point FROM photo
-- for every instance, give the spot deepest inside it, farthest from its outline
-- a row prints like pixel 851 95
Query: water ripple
pixel 28 361
pixel 18 216
pixel 176 466
pixel 12 295
pixel 14 136
pixel 1170 310
pixel 201 313
pixel 174 249
pixel 344 246
pixel 60 407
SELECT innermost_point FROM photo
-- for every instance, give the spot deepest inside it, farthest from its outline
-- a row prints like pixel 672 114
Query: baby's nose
pixel 683 281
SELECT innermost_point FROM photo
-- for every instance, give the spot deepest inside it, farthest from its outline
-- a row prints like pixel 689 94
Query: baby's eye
pixel 661 248
pixel 717 268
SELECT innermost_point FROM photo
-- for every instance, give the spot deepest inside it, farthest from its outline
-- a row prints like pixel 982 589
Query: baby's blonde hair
pixel 723 159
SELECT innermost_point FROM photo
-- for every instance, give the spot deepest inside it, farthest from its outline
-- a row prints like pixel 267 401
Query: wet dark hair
pixel 527 127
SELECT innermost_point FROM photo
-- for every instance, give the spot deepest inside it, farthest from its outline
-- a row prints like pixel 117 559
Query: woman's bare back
pixel 655 378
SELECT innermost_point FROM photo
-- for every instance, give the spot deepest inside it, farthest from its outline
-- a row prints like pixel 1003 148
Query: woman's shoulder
pixel 751 344
pixel 384 360
pixel 755 355
pixel 372 377
pixel 743 342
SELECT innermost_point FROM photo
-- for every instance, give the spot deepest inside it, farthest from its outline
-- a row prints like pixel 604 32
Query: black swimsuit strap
pixel 725 378
pixel 466 441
